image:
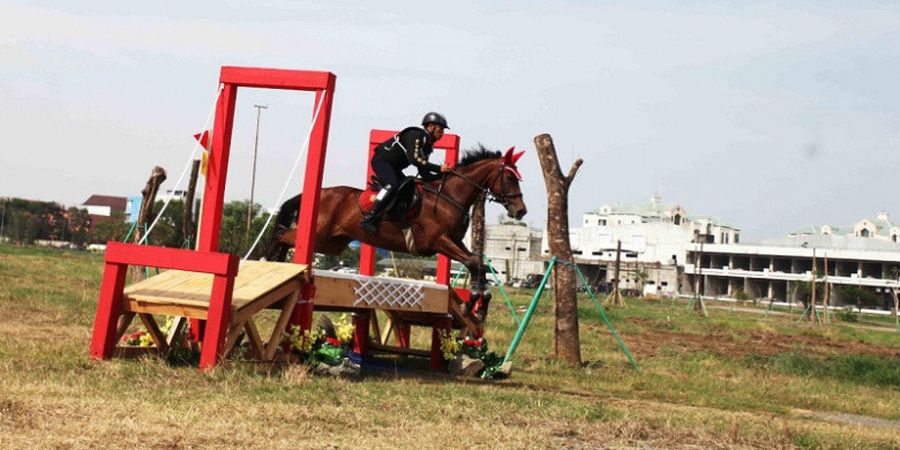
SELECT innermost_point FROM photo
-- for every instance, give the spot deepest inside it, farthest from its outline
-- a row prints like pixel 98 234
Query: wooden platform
pixel 258 285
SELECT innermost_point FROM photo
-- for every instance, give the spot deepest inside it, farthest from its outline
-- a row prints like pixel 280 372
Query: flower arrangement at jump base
pixel 327 348
pixel 455 348
pixel 141 338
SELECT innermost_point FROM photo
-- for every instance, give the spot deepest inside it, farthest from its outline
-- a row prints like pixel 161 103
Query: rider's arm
pixel 414 144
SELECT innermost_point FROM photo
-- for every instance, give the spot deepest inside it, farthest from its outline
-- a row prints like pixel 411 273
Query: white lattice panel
pixel 374 292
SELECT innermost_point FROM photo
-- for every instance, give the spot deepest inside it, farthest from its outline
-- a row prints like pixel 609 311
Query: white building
pixel 654 237
pixel 880 228
pixel 864 255
pixel 513 248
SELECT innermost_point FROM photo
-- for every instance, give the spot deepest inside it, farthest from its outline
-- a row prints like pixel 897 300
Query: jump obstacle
pixel 221 295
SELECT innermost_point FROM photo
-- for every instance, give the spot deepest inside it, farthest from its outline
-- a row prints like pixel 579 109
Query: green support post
pixel 525 320
pixel 512 309
pixel 609 324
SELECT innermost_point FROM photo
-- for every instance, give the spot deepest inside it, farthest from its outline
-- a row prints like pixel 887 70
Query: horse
pixel 438 224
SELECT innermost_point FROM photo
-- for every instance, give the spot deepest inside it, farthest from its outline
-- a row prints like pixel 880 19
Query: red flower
pixel 333 341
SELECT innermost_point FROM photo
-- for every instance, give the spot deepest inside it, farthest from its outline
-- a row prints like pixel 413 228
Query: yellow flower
pixel 343 329
pixel 450 345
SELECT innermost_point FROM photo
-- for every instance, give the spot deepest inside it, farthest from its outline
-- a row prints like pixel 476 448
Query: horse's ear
pixel 508 157
pixel 517 156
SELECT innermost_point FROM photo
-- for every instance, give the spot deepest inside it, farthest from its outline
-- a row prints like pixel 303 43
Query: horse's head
pixel 497 175
pixel 505 186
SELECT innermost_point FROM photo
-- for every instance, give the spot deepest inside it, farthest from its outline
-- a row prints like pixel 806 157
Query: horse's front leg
pixel 456 250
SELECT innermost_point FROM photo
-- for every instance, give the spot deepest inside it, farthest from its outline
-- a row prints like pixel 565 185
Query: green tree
pixel 113 229
pixel 79 225
pixel 859 296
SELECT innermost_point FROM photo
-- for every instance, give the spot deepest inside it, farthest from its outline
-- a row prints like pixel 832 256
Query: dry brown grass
pixel 690 396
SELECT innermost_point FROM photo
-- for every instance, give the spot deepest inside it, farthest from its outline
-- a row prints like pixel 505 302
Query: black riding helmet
pixel 434 117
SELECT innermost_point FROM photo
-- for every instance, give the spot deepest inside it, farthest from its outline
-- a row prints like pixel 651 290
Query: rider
pixel 411 146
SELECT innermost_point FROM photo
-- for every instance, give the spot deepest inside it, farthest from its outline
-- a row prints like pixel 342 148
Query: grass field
pixel 734 380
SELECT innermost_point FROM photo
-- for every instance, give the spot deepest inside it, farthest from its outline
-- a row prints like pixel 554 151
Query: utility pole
pixel 3 219
pixel 259 109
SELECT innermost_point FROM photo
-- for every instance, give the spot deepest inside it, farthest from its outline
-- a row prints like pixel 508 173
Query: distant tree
pixel 859 296
pixel 640 278
pixel 168 230
pixel 234 237
pixel 113 229
pixel 79 225
pixel 804 294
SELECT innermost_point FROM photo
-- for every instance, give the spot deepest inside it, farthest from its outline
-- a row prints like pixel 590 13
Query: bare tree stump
pixel 477 244
pixel 157 176
pixel 187 219
pixel 566 340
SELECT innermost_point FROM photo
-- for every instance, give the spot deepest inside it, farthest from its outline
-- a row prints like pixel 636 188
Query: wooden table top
pixel 254 280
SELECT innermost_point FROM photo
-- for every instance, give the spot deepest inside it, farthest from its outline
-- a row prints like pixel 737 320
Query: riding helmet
pixel 434 117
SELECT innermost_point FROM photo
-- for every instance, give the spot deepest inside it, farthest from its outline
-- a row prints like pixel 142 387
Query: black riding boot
pixel 372 218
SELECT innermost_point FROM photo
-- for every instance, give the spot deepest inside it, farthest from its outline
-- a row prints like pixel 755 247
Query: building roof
pixel 882 224
pixel 114 203
pixel 836 242
pixel 655 209
pixel 649 209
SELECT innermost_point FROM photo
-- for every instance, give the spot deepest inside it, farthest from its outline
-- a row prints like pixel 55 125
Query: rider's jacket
pixel 411 146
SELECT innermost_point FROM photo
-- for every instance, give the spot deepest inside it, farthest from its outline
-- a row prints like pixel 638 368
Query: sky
pixel 769 116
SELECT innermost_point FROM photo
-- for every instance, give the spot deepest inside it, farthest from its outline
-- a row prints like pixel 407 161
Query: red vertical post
pixel 443 262
pixel 312 180
pixel 214 191
pixel 440 326
pixel 304 246
pixel 219 315
pixel 361 332
pixel 366 251
pixel 109 307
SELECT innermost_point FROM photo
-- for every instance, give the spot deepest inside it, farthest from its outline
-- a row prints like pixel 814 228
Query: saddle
pixel 403 206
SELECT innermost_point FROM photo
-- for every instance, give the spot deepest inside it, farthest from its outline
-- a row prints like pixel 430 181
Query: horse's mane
pixel 479 153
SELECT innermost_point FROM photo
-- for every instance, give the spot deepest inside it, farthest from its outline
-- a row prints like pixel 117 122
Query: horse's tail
pixel 288 212
pixel 287 215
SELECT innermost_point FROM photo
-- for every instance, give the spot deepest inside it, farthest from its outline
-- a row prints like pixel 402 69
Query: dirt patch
pixel 652 342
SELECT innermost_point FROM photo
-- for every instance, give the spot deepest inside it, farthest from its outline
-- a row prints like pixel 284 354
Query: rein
pixel 502 199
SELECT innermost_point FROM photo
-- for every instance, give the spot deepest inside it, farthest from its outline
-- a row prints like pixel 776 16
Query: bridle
pixel 503 198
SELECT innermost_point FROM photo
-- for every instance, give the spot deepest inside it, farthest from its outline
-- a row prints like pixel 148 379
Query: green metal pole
pixel 128 235
pixel 525 320
pixel 609 324
pixel 512 309
pixel 457 277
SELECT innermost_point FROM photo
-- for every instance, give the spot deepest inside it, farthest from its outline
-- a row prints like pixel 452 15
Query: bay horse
pixel 439 224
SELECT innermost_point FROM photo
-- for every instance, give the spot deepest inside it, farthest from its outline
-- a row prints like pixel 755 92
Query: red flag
pixel 203 138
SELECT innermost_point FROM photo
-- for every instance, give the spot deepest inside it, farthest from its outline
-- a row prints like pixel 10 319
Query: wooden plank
pixel 155 333
pixel 399 350
pixel 231 339
pixel 175 337
pixel 186 293
pixel 124 321
pixel 167 309
pixel 267 300
pixel 388 328
pixel 256 345
pixel 471 326
pixel 277 333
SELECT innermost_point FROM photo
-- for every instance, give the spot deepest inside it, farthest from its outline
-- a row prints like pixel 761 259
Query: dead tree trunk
pixel 477 244
pixel 566 339
pixel 187 219
pixel 149 197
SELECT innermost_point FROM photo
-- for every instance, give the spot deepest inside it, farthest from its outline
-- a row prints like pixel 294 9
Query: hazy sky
pixel 770 116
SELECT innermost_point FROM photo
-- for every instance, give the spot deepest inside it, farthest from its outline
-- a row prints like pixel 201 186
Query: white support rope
pixel 303 149
pixel 206 126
